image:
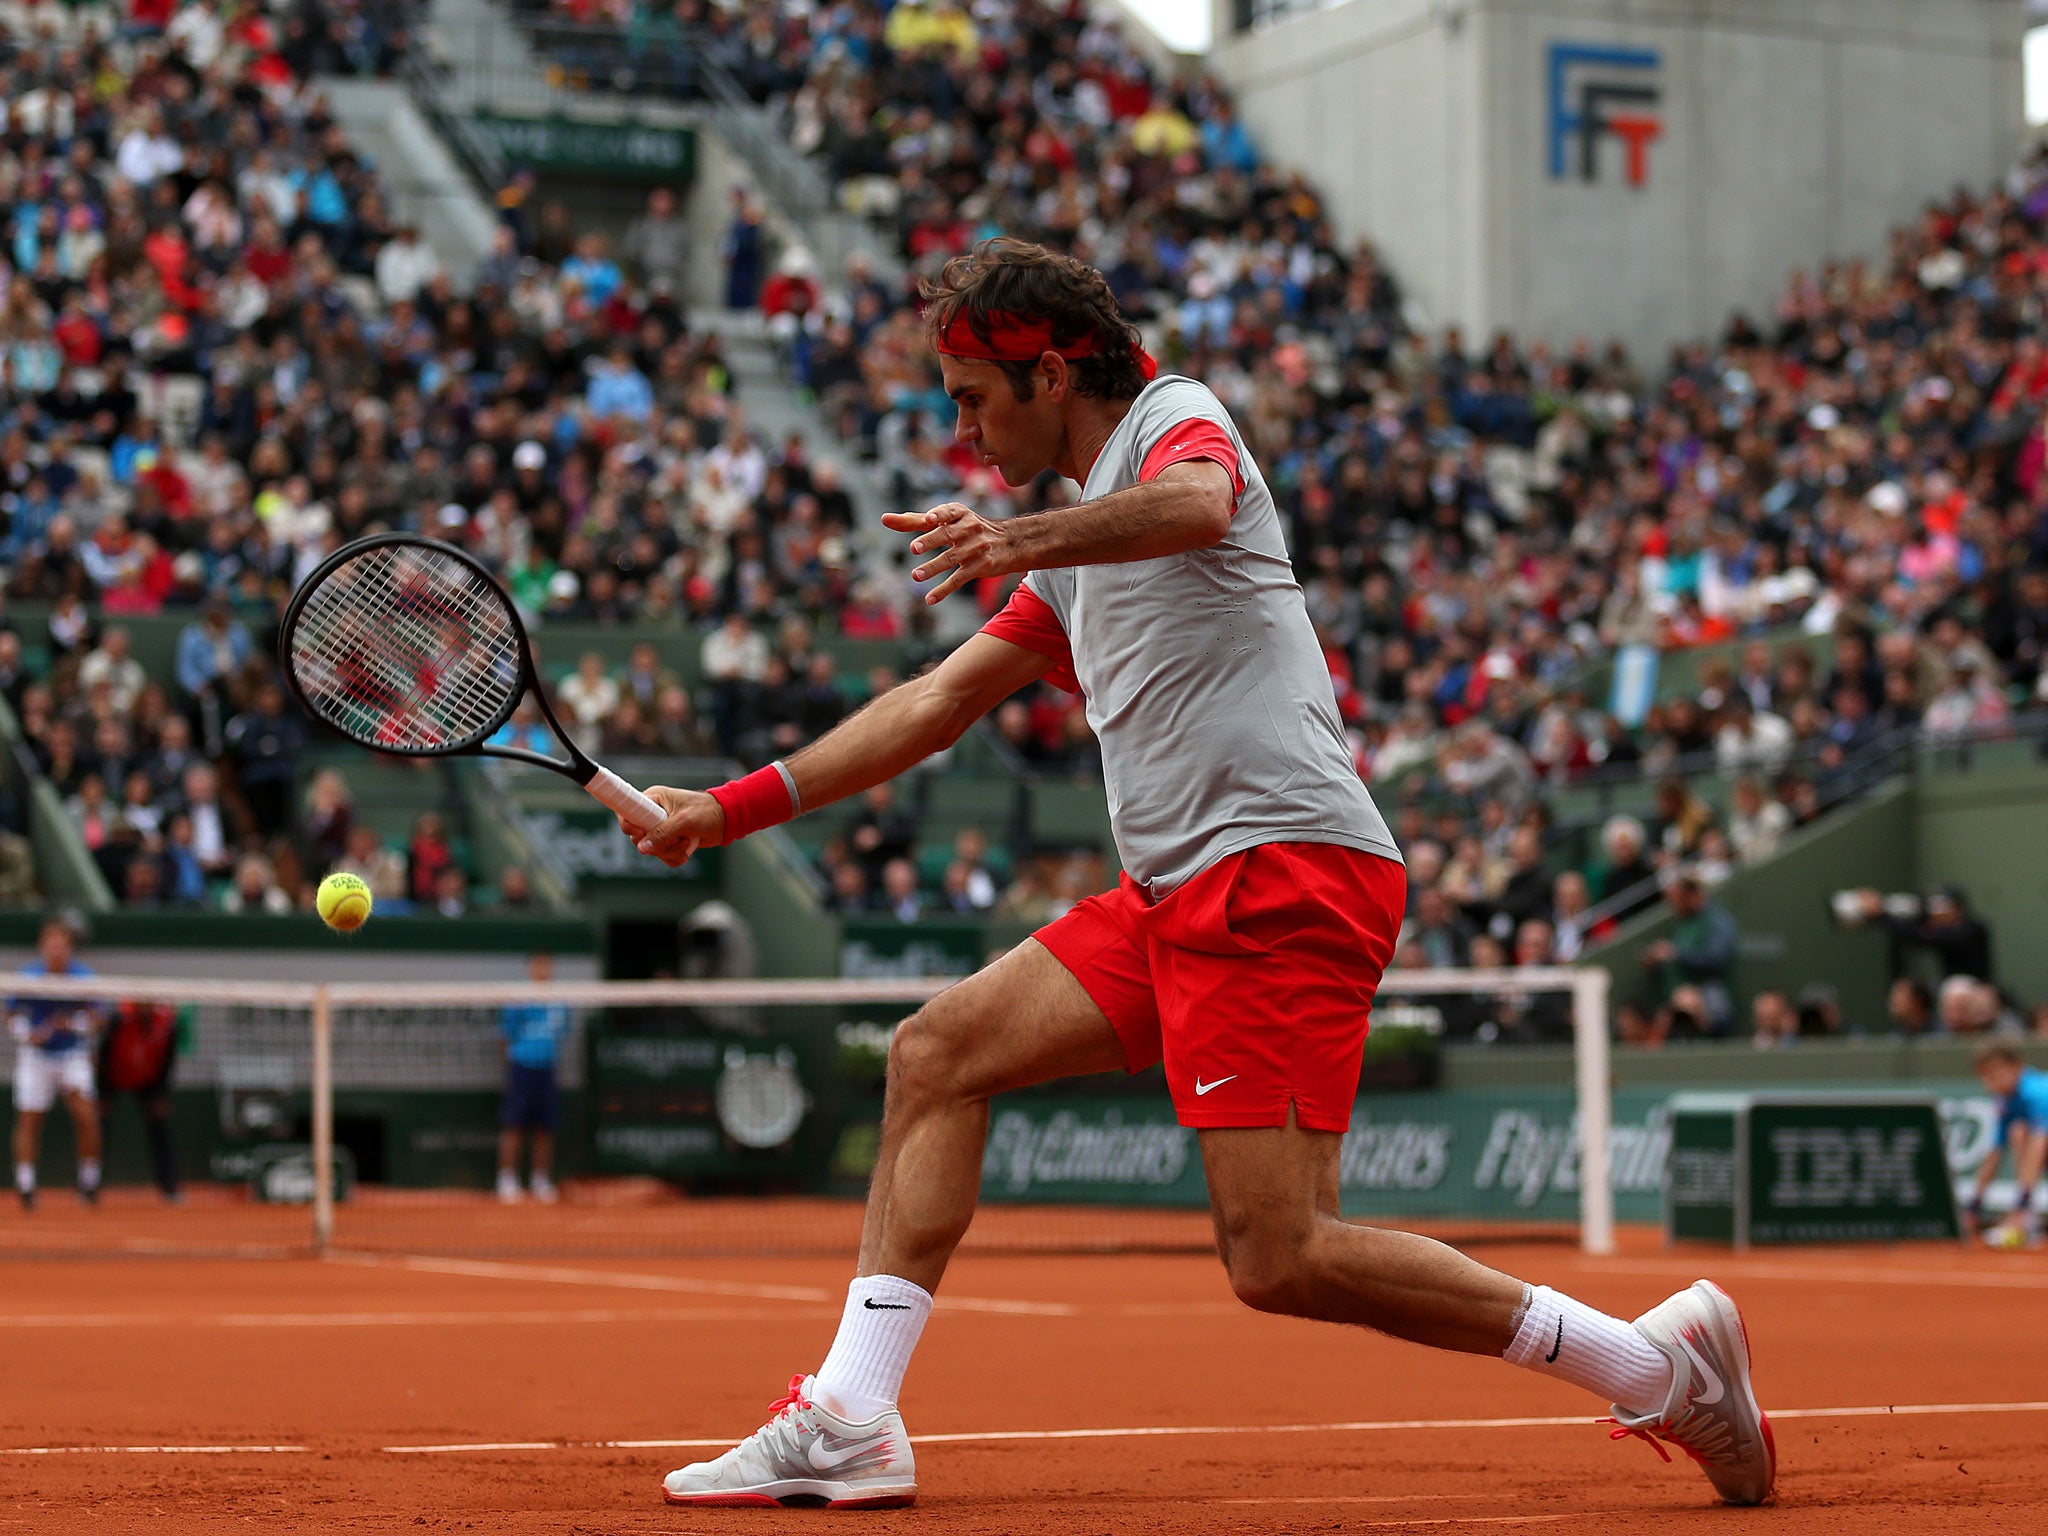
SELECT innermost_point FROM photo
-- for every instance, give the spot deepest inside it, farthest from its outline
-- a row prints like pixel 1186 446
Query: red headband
pixel 1016 339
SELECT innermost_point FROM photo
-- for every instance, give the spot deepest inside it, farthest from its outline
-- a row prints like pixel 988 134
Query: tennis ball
pixel 343 902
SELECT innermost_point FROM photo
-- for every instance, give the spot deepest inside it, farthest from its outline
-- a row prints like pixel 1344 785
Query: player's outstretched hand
pixel 694 821
pixel 968 546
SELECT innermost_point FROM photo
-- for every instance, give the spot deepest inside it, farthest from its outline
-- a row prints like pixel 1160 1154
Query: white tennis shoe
pixel 805 1456
pixel 1711 1413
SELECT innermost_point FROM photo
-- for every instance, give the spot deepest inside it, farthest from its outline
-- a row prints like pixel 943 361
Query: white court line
pixel 1737 1269
pixel 1411 1522
pixel 560 1275
pixel 1355 1426
pixel 632 1281
pixel 1359 1426
pixel 152 1450
pixel 406 1319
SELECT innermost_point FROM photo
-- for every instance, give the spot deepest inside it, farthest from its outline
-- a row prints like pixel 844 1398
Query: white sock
pixel 1569 1340
pixel 863 1374
pixel 88 1173
pixel 25 1177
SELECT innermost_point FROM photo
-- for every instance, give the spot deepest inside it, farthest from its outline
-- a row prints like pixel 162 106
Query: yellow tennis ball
pixel 343 902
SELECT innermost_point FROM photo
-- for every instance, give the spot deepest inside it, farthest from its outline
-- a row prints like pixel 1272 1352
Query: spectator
pixel 1910 1005
pixel 1692 972
pixel 217 829
pixel 1749 740
pixel 1624 867
pixel 880 833
pixel 743 252
pixel 1757 824
pixel 1967 1006
pixel 379 867
pixel 427 858
pixel 113 666
pixel 1526 896
pixel 734 658
pixel 677 731
pixel 255 889
pixel 1441 934
pixel 451 892
pixel 591 697
pixel 976 881
pixel 1569 900
pixel 1774 1023
pixel 328 820
pixel 515 894
pixel 406 266
pixel 264 742
pixel 1483 765
pixel 657 243
pixel 848 895
pixel 212 651
pixel 900 896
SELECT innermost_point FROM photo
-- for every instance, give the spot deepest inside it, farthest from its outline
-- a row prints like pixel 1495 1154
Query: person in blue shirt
pixel 617 388
pixel 2022 1095
pixel 533 1098
pixel 53 1057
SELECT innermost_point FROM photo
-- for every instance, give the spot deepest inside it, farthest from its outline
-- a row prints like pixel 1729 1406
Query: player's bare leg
pixel 1680 1373
pixel 836 1438
pixel 28 1136
pixel 1025 1020
pixel 85 1120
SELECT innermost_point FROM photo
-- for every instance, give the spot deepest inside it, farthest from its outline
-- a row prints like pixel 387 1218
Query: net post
pixel 323 1119
pixel 1596 1109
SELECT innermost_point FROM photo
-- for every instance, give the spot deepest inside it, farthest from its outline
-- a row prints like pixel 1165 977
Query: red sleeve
pixel 1028 620
pixel 1196 438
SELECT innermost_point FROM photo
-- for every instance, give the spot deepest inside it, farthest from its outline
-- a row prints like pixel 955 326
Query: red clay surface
pixel 345 1359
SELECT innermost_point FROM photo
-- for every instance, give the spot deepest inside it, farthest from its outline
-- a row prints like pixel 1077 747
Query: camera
pixel 1852 909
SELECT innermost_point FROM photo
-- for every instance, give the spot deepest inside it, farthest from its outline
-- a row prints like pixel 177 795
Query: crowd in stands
pixel 1475 521
pixel 224 356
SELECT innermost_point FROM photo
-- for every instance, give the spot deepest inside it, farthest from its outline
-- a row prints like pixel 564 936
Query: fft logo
pixel 1602 93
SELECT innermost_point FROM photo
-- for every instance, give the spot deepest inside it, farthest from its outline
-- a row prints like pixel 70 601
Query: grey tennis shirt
pixel 1202 676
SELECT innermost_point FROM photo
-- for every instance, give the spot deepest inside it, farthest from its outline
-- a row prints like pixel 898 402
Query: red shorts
pixel 1253 982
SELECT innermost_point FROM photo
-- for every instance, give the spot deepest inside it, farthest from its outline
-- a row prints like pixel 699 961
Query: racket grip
pixel 615 792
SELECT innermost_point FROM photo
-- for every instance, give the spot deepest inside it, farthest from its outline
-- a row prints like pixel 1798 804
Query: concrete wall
pixel 1790 132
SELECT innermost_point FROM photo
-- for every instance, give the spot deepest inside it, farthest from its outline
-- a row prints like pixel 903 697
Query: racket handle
pixel 615 792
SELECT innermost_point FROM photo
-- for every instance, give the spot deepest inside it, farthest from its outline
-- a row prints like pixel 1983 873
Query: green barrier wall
pixel 1986 830
pixel 1495 1142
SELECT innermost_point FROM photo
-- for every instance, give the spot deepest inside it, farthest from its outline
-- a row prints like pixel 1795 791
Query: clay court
pixel 1090 1394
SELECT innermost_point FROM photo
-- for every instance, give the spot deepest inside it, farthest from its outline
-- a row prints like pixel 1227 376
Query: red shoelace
pixel 792 1400
pixel 1650 1438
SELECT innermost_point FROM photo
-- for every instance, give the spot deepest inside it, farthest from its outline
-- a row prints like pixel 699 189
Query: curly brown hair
pixel 1009 276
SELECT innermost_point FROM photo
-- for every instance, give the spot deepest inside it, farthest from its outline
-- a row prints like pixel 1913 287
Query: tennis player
pixel 1259 904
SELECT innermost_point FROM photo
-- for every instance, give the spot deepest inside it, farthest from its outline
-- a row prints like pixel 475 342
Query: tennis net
pixel 742 1117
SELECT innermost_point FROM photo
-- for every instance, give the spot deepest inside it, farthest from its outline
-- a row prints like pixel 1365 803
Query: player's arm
pixel 897 731
pixel 1987 1170
pixel 2029 1162
pixel 1186 506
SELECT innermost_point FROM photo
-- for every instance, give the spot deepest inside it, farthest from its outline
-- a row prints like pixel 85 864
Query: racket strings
pixel 407 648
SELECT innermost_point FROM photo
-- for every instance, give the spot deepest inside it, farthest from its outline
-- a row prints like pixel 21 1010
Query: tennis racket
pixel 411 647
